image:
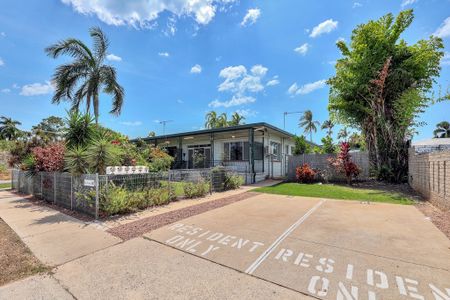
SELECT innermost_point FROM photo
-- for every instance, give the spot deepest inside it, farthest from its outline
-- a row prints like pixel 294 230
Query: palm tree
pixel 87 75
pixel 222 120
pixel 211 119
pixel 8 128
pixel 442 130
pixel 342 134
pixel 306 122
pixel 328 125
pixel 236 119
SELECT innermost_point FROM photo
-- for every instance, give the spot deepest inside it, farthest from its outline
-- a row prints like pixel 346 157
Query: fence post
pixel 71 192
pixel 96 196
pixel 211 181
pixel 54 187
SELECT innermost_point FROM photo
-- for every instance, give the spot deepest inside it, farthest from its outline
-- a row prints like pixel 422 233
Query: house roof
pixel 218 130
pixel 431 142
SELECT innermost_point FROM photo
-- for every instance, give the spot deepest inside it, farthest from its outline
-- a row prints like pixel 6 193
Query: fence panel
pixel 15 179
pixel 48 191
pixel 85 194
pixel 63 189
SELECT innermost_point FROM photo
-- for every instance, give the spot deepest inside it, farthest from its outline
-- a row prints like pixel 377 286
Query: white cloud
pixel 251 17
pixel 443 30
pixel 142 13
pixel 164 54
pixel 273 81
pixel 307 88
pixel 196 69
pixel 113 57
pixel 408 2
pixel 234 101
pixel 6 90
pixel 357 4
pixel 36 89
pixel 246 112
pixel 2 63
pixel 324 27
pixel 131 123
pixel 302 49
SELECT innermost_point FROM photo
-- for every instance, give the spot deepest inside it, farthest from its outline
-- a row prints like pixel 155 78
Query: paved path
pixel 55 238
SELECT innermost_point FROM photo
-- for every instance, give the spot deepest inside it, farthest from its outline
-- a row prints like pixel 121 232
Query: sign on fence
pixel 124 170
pixel 89 182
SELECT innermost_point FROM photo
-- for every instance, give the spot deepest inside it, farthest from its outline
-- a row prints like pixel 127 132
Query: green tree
pixel 222 120
pixel 308 124
pixel 301 146
pixel 87 75
pixel 211 120
pixel 381 85
pixel 236 119
pixel 442 130
pixel 151 134
pixel 328 125
pixel 342 134
pixel 328 145
pixel 49 129
pixel 8 128
pixel 80 131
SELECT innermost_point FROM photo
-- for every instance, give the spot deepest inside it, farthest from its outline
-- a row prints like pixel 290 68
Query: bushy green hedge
pixel 196 189
pixel 233 182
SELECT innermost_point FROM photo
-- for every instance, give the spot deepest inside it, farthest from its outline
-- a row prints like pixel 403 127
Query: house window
pixel 276 150
pixel 287 150
pixel 235 151
pixel 258 151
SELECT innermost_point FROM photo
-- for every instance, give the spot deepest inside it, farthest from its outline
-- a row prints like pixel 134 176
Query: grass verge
pixel 16 260
pixel 336 192
pixel 5 185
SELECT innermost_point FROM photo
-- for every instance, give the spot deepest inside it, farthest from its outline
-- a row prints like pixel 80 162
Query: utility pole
pixel 164 125
pixel 289 113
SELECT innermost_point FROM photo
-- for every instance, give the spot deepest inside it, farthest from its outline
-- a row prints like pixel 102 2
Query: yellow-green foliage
pixel 196 189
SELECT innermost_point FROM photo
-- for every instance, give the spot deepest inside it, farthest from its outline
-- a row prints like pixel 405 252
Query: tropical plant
pixel 8 128
pixel 196 189
pixel 442 130
pixel 301 146
pixel 382 84
pixel 236 119
pixel 211 120
pixel 80 131
pixel 328 146
pixel 308 124
pixel 86 76
pixel 357 141
pixel 49 158
pixel 158 159
pixel 76 161
pixel 222 120
pixel 328 125
pixel 343 163
pixel 342 134
pixel 101 154
pixel 232 181
pixel 305 174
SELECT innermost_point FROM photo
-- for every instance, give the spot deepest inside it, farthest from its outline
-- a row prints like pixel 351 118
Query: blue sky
pixel 178 59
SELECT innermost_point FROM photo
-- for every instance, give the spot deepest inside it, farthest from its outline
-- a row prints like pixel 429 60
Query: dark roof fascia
pixel 215 130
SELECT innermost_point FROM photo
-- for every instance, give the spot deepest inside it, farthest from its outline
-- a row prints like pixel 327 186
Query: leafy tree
pixel 80 130
pixel 381 85
pixel 357 141
pixel 87 75
pixel 328 125
pixel 327 145
pixel 49 129
pixel 301 145
pixel 343 163
pixel 8 128
pixel 308 124
pixel 236 119
pixel 151 134
pixel 342 134
pixel 211 120
pixel 442 130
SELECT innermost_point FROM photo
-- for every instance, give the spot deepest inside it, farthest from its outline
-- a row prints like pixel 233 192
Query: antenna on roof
pixel 164 125
pixel 289 113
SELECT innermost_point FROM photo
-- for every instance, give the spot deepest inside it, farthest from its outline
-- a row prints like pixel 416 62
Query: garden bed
pixel 440 218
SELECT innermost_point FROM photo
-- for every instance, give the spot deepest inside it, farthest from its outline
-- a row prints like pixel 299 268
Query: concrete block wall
pixel 429 175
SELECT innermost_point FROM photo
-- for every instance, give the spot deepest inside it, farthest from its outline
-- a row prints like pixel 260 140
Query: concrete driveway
pixel 266 247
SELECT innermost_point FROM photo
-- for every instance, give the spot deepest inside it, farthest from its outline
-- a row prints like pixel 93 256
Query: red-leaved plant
pixel 305 173
pixel 344 164
pixel 49 158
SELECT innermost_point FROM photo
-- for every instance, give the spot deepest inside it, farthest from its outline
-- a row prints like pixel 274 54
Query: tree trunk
pixel 96 107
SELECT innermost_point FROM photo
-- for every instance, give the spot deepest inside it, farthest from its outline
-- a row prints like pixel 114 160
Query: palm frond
pixel 101 43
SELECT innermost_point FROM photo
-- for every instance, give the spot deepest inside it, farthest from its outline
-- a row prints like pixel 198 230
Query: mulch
pixel 440 218
pixel 139 227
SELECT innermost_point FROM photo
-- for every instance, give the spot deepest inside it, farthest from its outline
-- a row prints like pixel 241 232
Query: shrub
pixel 344 164
pixel 102 154
pixel 233 181
pixel 305 174
pixel 301 145
pixel 115 201
pixel 196 189
pixel 75 161
pixel 49 159
pixel 159 159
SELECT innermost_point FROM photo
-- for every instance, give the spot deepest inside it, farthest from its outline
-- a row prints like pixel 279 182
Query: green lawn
pixel 5 185
pixel 335 192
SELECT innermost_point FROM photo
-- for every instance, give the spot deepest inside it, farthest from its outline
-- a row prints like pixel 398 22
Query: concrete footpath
pixel 53 237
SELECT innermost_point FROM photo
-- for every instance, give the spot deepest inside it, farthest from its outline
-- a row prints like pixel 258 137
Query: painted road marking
pixel 252 268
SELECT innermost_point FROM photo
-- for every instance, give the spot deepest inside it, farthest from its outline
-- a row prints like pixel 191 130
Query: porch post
pixel 180 152
pixel 212 160
pixel 251 154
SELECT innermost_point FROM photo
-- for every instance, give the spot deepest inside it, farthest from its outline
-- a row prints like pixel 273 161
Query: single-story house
pixel 431 145
pixel 257 150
